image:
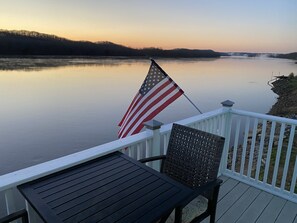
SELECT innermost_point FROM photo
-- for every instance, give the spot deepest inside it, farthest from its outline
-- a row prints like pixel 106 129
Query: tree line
pixel 26 43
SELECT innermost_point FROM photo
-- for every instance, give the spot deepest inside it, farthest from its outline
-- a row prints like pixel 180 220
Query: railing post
pixel 227 106
pixel 155 126
pixel 9 200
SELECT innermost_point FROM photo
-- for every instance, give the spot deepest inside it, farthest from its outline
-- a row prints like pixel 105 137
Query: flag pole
pixel 192 103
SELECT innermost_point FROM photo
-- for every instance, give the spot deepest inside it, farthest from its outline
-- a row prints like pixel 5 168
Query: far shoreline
pixel 39 62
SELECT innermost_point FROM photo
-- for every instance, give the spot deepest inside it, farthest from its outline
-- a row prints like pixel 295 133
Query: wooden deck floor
pixel 239 202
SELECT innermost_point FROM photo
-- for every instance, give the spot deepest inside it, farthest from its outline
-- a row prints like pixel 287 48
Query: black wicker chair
pixel 23 214
pixel 193 158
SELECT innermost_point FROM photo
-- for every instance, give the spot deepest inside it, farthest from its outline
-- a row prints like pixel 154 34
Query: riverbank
pixel 286 88
pixel 274 149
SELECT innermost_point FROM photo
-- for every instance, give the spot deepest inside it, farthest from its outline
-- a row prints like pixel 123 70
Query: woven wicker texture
pixel 193 156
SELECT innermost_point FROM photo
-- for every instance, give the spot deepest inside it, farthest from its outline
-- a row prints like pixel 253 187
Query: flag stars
pixel 153 78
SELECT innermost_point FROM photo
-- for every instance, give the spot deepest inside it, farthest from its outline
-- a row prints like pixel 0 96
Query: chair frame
pixel 23 214
pixel 209 189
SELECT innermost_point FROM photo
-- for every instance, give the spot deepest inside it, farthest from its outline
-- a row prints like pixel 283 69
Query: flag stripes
pixel 155 94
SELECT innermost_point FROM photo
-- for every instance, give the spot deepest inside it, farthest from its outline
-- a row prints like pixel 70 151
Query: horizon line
pixel 137 48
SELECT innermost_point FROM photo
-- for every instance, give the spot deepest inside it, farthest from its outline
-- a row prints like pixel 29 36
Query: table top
pixel 112 188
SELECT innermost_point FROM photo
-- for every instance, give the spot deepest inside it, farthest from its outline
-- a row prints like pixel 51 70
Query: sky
pixel 221 25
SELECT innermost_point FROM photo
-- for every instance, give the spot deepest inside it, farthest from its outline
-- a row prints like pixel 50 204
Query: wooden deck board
pixel 288 213
pixel 230 199
pixel 239 207
pixel 239 203
pixel 256 208
pixel 227 186
pixel 272 210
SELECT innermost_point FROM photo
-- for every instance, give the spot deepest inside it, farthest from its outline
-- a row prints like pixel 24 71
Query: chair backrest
pixel 193 156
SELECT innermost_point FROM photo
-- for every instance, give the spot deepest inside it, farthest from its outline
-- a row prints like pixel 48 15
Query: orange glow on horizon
pixel 248 26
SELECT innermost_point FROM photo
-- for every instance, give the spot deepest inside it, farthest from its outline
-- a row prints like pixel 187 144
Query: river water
pixel 54 107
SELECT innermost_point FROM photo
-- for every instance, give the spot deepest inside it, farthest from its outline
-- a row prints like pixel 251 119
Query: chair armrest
pixel 19 214
pixel 153 158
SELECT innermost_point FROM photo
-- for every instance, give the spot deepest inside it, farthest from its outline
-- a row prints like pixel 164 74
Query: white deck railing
pixel 263 152
pixel 259 150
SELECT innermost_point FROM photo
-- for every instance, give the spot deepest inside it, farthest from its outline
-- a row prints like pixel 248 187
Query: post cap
pixel 153 124
pixel 227 103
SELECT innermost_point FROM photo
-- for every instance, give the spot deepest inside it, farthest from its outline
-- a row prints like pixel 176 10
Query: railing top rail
pixel 166 128
pixel 30 173
pixel 264 116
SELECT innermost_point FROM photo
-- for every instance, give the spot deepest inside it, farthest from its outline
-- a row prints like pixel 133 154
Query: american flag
pixel 156 93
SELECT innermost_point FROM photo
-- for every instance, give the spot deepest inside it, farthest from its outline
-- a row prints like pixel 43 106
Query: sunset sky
pixel 221 25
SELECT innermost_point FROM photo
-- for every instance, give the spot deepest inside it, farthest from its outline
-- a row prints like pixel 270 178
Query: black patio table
pixel 112 188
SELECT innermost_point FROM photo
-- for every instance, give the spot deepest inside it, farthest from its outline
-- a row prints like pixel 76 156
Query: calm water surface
pixel 47 112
